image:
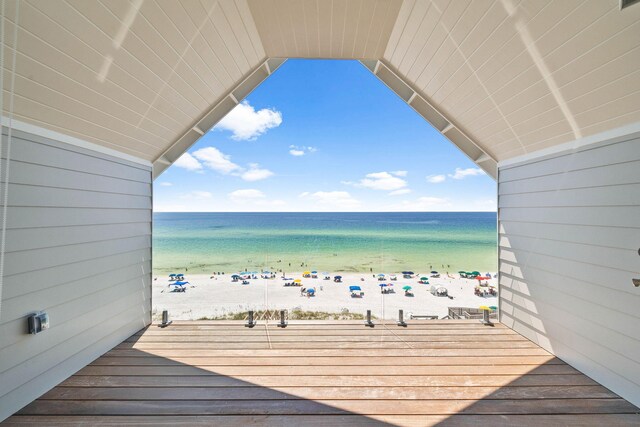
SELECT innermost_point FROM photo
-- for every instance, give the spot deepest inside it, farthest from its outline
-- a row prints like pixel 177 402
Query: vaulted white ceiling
pixel 499 78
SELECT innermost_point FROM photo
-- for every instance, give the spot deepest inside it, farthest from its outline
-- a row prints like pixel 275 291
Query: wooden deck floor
pixel 326 374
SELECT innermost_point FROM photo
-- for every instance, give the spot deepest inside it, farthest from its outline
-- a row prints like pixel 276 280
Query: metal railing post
pixel 485 317
pixel 165 319
pixel 250 320
pixel 401 321
pixel 368 322
pixel 283 322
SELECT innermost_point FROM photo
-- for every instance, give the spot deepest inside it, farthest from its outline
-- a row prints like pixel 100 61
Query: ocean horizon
pixel 207 242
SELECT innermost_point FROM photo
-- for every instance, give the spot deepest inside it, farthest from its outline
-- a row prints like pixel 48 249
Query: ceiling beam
pixel 214 114
pixel 433 115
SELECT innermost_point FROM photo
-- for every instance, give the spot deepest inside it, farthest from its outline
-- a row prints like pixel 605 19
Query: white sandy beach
pixel 208 296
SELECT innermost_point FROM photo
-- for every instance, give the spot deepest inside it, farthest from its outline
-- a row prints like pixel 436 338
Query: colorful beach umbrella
pixel 407 288
pixel 381 275
pixel 424 278
pixel 382 285
pixel 354 288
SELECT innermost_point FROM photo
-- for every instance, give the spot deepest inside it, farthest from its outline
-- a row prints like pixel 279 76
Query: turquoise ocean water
pixel 333 242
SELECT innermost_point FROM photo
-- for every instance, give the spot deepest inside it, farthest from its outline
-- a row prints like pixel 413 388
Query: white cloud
pixel 247 195
pixel 423 204
pixel 166 184
pixel 197 195
pixel 400 192
pixel 255 173
pixel 188 162
pixel 252 198
pixel 382 181
pixel 331 199
pixel 215 160
pixel 463 173
pixel 400 173
pixel 436 179
pixel 294 150
pixel 247 124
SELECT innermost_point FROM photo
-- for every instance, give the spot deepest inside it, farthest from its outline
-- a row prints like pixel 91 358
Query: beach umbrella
pixel 235 276
pixel 179 283
pixel 354 288
pixel 297 281
pixel 424 278
pixel 434 272
pixel 314 272
pixel 389 284
pixel 324 273
pixel 484 307
pixel 382 285
pixel 307 272
pixel 407 288
pixel 337 277
pixel 381 275
pixel 172 275
pixel 493 307
pixel 475 273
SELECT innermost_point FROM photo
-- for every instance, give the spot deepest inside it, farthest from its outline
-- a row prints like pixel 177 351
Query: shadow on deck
pixel 328 373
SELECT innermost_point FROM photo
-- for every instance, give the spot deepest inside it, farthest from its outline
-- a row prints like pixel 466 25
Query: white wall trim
pixel 71 140
pixel 609 135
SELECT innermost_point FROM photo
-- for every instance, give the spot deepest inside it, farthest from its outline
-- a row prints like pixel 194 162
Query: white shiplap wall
pixel 78 245
pixel 569 239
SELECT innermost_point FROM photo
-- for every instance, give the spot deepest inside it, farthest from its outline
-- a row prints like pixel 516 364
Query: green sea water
pixel 333 242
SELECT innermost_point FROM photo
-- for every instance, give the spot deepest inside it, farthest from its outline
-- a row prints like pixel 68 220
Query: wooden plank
pixel 410 356
pixel 554 377
pixel 350 420
pixel 284 370
pixel 319 331
pixel 364 361
pixel 253 392
pixel 331 340
pixel 522 343
pixel 273 407
pixel 304 340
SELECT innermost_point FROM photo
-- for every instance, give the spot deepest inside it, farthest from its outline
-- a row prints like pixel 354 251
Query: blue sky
pixel 323 136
